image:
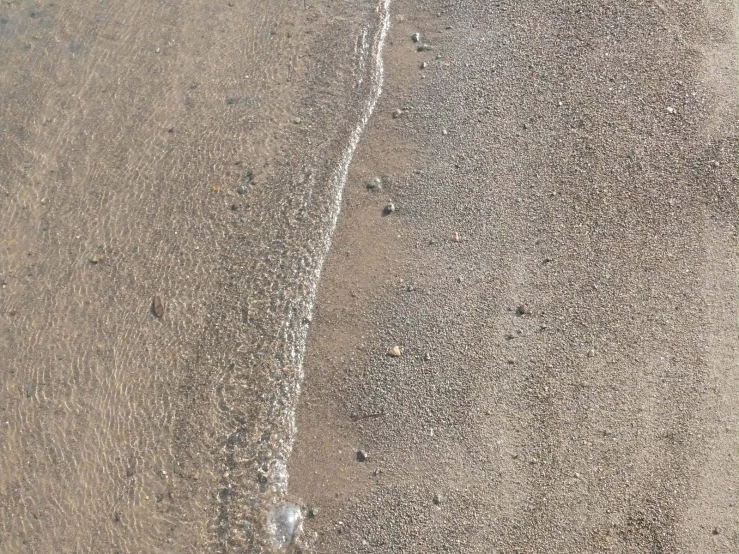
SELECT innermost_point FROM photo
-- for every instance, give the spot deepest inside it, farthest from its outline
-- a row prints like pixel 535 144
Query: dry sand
pixel 560 272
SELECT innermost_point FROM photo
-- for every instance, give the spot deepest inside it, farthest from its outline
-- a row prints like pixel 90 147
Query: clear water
pixel 194 152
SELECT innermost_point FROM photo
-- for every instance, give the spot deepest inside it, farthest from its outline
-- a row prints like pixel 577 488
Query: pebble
pixel 456 237
pixel 312 511
pixel 241 189
pixel 94 260
pixel 591 352
pixel 523 310
pixel 437 499
pixel 424 47
pixel 395 351
pixel 390 208
pixel 375 184
pixel 416 37
pixel 424 65
pixel 397 113
pixel 426 357
pixel 362 456
pixel 670 110
pixel 444 132
pixel 157 306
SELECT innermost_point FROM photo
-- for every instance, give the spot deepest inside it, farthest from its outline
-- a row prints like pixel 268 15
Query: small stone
pixel 375 184
pixel 157 306
pixel 437 499
pixel 426 357
pixel 158 50
pixel 416 37
pixel 671 110
pixel 297 121
pixel 523 310
pixel 312 511
pixel 716 531
pixel 94 260
pixel 444 132
pixel 591 352
pixel 362 456
pixel 424 47
pixel 241 189
pixel 390 208
pixel 394 351
pixel 456 237
pixel 397 113
pixel 424 65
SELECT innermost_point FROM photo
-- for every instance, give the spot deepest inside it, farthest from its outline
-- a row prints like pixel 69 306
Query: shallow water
pixel 190 151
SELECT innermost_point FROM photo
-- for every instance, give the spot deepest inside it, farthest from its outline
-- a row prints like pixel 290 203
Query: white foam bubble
pixel 283 523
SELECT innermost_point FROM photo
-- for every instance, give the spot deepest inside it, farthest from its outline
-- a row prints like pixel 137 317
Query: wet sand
pixel 560 272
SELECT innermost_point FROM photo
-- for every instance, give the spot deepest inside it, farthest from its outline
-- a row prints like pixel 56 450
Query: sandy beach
pixel 561 275
pixel 558 273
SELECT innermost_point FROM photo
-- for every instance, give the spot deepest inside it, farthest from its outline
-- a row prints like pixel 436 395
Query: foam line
pixel 336 187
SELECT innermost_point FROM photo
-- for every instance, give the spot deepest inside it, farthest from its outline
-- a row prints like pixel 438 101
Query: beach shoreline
pixel 524 335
